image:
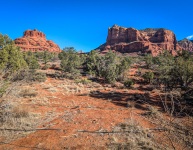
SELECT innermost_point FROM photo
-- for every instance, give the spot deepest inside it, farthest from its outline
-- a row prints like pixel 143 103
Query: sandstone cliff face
pixel 34 40
pixel 129 40
pixel 186 45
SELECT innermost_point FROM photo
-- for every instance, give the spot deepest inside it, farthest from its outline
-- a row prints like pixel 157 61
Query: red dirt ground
pixel 73 111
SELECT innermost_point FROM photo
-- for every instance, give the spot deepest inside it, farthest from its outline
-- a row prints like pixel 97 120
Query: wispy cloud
pixel 190 37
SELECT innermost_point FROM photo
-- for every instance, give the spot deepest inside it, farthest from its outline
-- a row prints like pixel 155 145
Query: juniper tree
pixel 11 58
pixel 70 62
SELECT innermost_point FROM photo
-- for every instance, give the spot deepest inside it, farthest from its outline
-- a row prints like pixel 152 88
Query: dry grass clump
pixel 176 131
pixel 29 76
pixel 83 81
pixel 132 136
pixel 20 112
pixel 15 120
pixel 28 93
pixel 152 112
pixel 3 87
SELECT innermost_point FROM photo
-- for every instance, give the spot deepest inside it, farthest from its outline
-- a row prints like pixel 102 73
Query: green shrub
pixel 74 75
pixel 29 76
pixel 83 81
pixel 148 76
pixel 70 62
pixel 129 83
pixel 31 60
pixel 92 63
pixel 175 72
pixel 3 87
pixel 148 60
pixel 47 57
pixel 110 67
pixel 11 58
pixel 53 66
pixel 38 76
pixel 45 67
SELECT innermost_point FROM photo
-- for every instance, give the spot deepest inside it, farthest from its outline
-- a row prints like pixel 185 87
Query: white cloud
pixel 190 37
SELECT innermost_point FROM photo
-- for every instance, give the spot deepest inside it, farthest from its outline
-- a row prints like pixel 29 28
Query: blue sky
pixel 83 24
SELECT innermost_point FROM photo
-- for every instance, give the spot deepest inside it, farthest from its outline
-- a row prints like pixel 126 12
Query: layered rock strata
pixel 35 41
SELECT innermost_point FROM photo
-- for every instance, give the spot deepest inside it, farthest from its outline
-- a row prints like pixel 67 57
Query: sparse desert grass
pixel 20 89
pixel 3 87
pixel 15 119
pixel 153 111
pixel 175 132
pixel 20 112
pixel 53 89
pixel 83 81
pixel 42 101
pixel 29 76
pixel 132 136
pixel 28 93
pixel 72 88
pixel 78 86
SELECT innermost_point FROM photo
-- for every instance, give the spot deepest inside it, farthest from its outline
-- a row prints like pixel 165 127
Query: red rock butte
pixel 186 45
pixel 35 41
pixel 130 40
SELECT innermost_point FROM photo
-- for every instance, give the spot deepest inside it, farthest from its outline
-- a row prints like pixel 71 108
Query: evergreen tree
pixel 46 57
pixel 148 60
pixel 31 60
pixel 11 58
pixel 92 63
pixel 70 61
pixel 110 67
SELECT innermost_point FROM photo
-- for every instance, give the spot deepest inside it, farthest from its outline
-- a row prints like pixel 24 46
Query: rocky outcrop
pixel 129 40
pixel 186 44
pixel 34 40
